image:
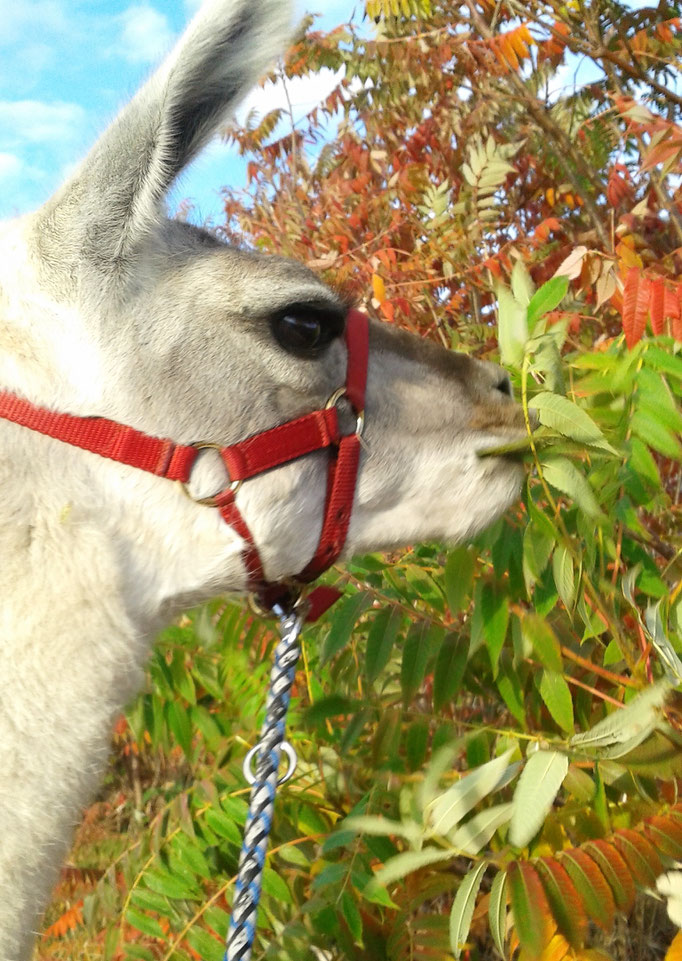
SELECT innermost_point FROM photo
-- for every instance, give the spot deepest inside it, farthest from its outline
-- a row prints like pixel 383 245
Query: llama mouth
pixel 521 449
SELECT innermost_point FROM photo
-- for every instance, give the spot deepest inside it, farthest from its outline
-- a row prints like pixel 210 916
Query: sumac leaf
pixel 635 305
pixel 463 908
pixel 532 914
pixel 615 870
pixel 591 885
pixel 666 834
pixel 640 854
pixel 564 900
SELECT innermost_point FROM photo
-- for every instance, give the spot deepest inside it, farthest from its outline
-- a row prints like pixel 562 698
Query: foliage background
pixel 452 186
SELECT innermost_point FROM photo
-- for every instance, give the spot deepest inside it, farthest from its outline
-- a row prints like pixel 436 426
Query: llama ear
pixel 114 197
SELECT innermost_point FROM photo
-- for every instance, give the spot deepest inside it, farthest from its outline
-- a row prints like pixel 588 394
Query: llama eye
pixel 302 333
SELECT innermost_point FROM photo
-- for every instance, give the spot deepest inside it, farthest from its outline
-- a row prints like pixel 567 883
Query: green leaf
pixel 448 810
pixel 380 641
pixel 416 651
pixel 522 285
pixel 180 726
pixel 564 575
pixel 449 671
pixel 276 887
pixel 144 923
pixel 408 862
pixel 382 827
pixel 335 705
pixel 463 908
pixel 546 298
pixel 649 429
pixel 565 476
pixel 495 610
pixel 540 635
pixel 497 911
pixel 630 725
pixel 416 743
pixel 534 797
pixel 529 906
pixel 172 887
pixel 556 695
pixel 207 947
pixel 570 420
pixel 458 574
pixel 352 916
pixel 512 327
pixel 344 620
pixel 511 690
pixel 223 826
pixel 477 831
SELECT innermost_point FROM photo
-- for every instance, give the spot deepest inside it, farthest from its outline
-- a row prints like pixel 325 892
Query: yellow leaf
pixel 674 952
pixel 627 257
pixel 550 196
pixel 379 288
pixel 556 950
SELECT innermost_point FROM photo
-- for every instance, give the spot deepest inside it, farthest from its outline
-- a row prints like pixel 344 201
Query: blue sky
pixel 67 66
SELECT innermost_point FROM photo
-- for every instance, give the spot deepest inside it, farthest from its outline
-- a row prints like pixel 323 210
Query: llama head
pixel 113 309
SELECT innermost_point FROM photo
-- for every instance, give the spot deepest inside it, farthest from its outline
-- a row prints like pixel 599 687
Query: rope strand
pixel 242 929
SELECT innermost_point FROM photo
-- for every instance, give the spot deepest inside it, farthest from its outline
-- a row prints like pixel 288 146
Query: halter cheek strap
pixel 255 455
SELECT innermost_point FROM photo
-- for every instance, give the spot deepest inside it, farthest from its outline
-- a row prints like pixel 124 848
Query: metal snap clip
pixel 292 759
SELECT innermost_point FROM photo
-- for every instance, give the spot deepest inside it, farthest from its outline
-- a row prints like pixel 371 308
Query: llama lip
pixel 520 449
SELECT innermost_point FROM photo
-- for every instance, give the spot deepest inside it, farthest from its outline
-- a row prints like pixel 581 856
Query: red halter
pixel 256 454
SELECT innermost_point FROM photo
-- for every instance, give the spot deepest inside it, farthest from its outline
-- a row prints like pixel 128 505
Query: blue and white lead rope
pixel 242 929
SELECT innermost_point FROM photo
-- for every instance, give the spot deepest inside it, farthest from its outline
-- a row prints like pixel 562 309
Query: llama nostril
pixel 504 385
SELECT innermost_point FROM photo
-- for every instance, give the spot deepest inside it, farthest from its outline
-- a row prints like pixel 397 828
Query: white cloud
pixel 191 6
pixel 20 20
pixel 146 34
pixel 39 122
pixel 304 93
pixel 10 166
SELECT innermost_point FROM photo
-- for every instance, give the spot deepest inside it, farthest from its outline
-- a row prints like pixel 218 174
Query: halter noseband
pixel 254 455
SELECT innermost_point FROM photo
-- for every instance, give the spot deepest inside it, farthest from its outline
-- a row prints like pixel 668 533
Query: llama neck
pixel 83 593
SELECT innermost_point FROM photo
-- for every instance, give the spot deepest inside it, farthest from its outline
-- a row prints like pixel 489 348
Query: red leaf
pixel 635 305
pixel 656 296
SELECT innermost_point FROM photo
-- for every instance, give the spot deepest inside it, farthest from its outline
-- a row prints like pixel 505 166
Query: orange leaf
pixel 666 834
pixel 532 914
pixel 591 885
pixel 564 900
pixel 635 305
pixel 674 952
pixel 615 870
pixel 379 288
pixel 656 295
pixel 640 855
pixel 677 319
pixel 69 921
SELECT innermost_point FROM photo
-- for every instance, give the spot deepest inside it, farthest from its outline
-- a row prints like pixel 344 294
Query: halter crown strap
pixel 264 451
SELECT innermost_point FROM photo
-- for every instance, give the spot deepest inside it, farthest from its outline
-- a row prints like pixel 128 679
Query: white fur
pixel 108 308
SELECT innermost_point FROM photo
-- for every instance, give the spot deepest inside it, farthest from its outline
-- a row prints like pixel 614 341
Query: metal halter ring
pixel 359 414
pixel 288 774
pixel 212 501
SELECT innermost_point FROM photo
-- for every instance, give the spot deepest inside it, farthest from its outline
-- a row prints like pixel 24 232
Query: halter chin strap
pixel 318 430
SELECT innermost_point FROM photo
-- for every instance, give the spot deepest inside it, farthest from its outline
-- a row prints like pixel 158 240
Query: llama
pixel 108 308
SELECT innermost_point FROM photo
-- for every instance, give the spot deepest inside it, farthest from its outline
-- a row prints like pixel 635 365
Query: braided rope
pixel 264 786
